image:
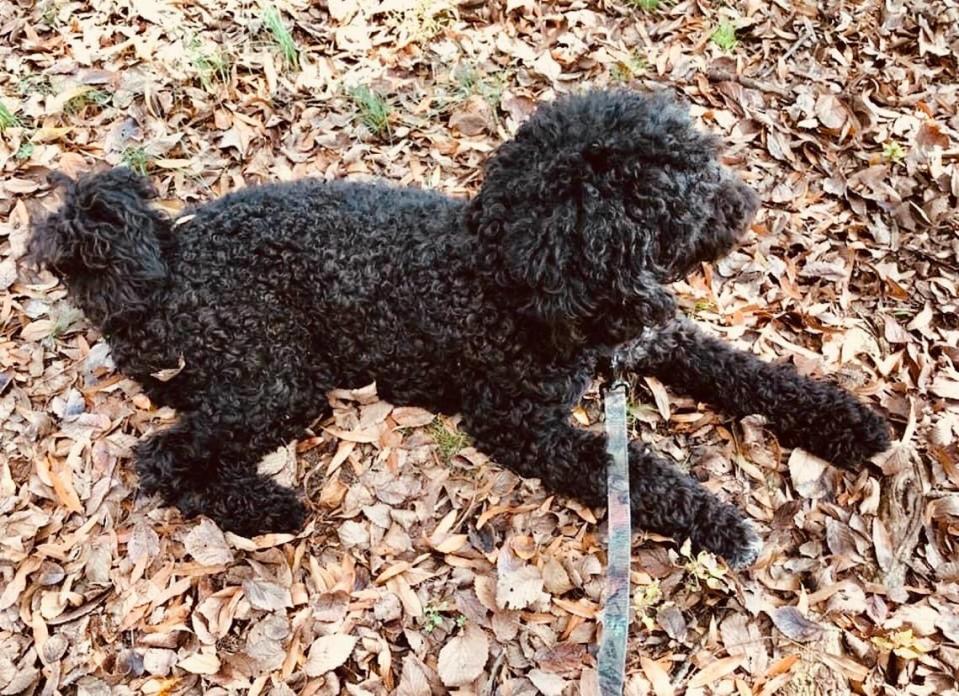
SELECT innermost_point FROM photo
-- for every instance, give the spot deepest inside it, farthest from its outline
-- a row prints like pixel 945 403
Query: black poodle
pixel 501 308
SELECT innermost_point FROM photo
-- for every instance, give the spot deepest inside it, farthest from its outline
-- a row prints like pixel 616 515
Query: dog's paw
pixel 255 506
pixel 731 537
pixel 284 513
pixel 744 547
pixel 848 435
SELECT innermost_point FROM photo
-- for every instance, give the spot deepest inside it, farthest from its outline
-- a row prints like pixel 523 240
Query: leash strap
pixel 612 648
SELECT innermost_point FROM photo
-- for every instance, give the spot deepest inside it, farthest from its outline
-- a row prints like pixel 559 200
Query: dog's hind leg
pixel 538 441
pixel 815 415
pixel 207 462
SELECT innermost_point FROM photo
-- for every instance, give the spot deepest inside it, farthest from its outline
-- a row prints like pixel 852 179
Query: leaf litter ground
pixel 426 569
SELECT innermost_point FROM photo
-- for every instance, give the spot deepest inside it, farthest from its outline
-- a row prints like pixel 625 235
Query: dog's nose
pixel 745 201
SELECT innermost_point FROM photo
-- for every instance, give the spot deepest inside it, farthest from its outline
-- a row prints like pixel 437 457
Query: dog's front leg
pixel 815 415
pixel 538 441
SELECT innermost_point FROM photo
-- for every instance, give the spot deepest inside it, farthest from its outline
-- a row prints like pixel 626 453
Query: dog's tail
pixel 107 243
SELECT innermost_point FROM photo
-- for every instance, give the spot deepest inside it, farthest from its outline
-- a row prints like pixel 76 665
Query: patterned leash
pixel 612 648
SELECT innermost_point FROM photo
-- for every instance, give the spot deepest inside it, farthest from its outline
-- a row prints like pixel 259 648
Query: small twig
pixel 725 76
pixel 82 610
pixel 490 686
pixel 685 669
pixel 808 34
pixel 904 519
pixel 458 525
pixel 931 258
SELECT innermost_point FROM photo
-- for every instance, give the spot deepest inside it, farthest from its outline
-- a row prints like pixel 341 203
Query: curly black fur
pixel 500 307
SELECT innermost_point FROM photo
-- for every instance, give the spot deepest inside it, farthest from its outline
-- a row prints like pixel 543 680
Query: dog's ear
pixel 558 246
pixel 556 216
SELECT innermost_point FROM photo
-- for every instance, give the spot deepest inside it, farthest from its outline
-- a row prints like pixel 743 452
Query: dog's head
pixel 600 200
pixel 100 218
pixel 104 241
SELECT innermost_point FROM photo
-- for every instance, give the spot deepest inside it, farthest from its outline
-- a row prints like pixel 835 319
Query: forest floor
pixel 843 116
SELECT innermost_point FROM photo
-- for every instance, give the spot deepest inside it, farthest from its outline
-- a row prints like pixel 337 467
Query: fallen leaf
pixel 414 679
pixel 519 588
pixel 169 373
pixel 882 541
pixel 945 387
pixel 659 396
pixel 794 625
pixel 200 663
pixel 547 67
pixel 472 117
pixel 412 417
pixel 555 578
pixel 830 111
pixel 8 273
pixel 327 653
pixel 658 677
pixel 894 332
pixel 206 543
pixel 715 671
pixel 144 542
pixel 547 683
pixel 463 657
pixel 266 595
pixel 807 474
pixel 671 620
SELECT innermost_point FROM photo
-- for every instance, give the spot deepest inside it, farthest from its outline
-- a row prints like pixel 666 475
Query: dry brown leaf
pixel 37 330
pixel 61 475
pixel 144 543
pixel 505 624
pixel 659 396
pixel 412 417
pixel 547 683
pixel 547 67
pixel 882 541
pixel 794 625
pixel 353 533
pixel 472 117
pixel 658 677
pixel 266 595
pixel 519 588
pixel 166 374
pixel 327 653
pixel 361 436
pixel 8 273
pixel 807 472
pixel 463 657
pixel 206 543
pixel 831 111
pixel 945 387
pixel 200 663
pixel 894 332
pixel 715 671
pixel 414 679
pixel 330 607
pixel 555 578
